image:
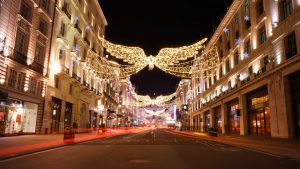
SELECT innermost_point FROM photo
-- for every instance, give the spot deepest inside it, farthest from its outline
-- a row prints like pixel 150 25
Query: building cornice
pixel 225 21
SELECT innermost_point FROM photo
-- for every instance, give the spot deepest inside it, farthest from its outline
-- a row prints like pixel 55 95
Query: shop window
pixel 290 45
pixel 25 11
pixel 259 8
pixel 262 36
pixel 43 26
pixel 286 8
pixel 12 79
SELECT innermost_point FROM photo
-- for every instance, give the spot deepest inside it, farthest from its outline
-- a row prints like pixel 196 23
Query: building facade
pixel 25 33
pixel 255 89
pixel 83 86
pixel 182 102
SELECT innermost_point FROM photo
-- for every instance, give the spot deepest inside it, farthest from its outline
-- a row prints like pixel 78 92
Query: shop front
pixel 206 121
pixel 233 114
pixel 259 113
pixel 17 117
pixel 56 112
pixel 295 86
pixel 218 119
pixel 68 115
pixel 93 117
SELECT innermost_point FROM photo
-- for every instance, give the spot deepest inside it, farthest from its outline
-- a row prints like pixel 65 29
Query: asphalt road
pixel 153 149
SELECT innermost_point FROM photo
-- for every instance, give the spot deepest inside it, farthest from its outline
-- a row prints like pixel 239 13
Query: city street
pixel 160 148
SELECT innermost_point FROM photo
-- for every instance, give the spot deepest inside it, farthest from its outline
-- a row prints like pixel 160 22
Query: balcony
pixel 76 77
pixel 65 10
pixel 87 40
pixel 65 70
pixel 86 84
pixel 37 67
pixel 19 57
pixel 78 28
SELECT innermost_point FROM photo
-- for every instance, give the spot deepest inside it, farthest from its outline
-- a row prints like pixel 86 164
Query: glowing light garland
pixel 160 100
pixel 170 60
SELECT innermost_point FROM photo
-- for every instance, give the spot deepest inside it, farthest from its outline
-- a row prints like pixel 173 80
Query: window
pixel 247 5
pixel 265 60
pixel 247 48
pixel 259 7
pixel 56 82
pixel 236 58
pixel 262 37
pixel 25 11
pixel 12 78
pixel 227 65
pixel 40 88
pixel 237 34
pixel 247 23
pixel 228 45
pixel 220 72
pixel 250 70
pixel 74 67
pixel 63 29
pixel 287 8
pixel 61 54
pixel 71 89
pixel 290 45
pixel 39 54
pixel 43 27
pixel 21 81
pixel 21 42
pixel 45 4
pixel 32 86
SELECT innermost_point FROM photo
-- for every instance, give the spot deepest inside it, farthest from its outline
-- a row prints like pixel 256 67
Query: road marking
pixel 139 161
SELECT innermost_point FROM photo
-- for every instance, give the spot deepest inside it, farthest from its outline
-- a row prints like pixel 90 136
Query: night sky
pixel 155 24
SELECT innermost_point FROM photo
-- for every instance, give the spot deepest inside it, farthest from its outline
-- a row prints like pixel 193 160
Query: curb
pixel 24 153
pixel 244 147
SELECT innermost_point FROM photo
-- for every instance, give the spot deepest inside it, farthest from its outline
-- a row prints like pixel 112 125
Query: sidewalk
pixel 284 148
pixel 20 145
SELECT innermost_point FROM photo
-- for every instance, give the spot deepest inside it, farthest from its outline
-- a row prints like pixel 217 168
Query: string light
pixel 170 60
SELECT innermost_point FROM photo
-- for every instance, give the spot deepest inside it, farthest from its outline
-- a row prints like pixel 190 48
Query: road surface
pixel 151 149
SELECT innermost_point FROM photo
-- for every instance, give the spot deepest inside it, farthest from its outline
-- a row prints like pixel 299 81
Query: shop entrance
pixel 56 108
pixel 295 92
pixel 218 119
pixel 68 114
pixel 259 112
pixel 207 120
pixel 260 121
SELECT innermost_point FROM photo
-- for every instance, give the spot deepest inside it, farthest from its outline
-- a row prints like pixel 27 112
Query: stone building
pixel 82 91
pixel 25 33
pixel 255 89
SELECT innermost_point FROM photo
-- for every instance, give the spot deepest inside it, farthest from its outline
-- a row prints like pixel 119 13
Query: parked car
pixel 212 132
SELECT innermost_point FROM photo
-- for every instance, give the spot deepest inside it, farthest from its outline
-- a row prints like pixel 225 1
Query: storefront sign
pixel 2 116
pixel 18 118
